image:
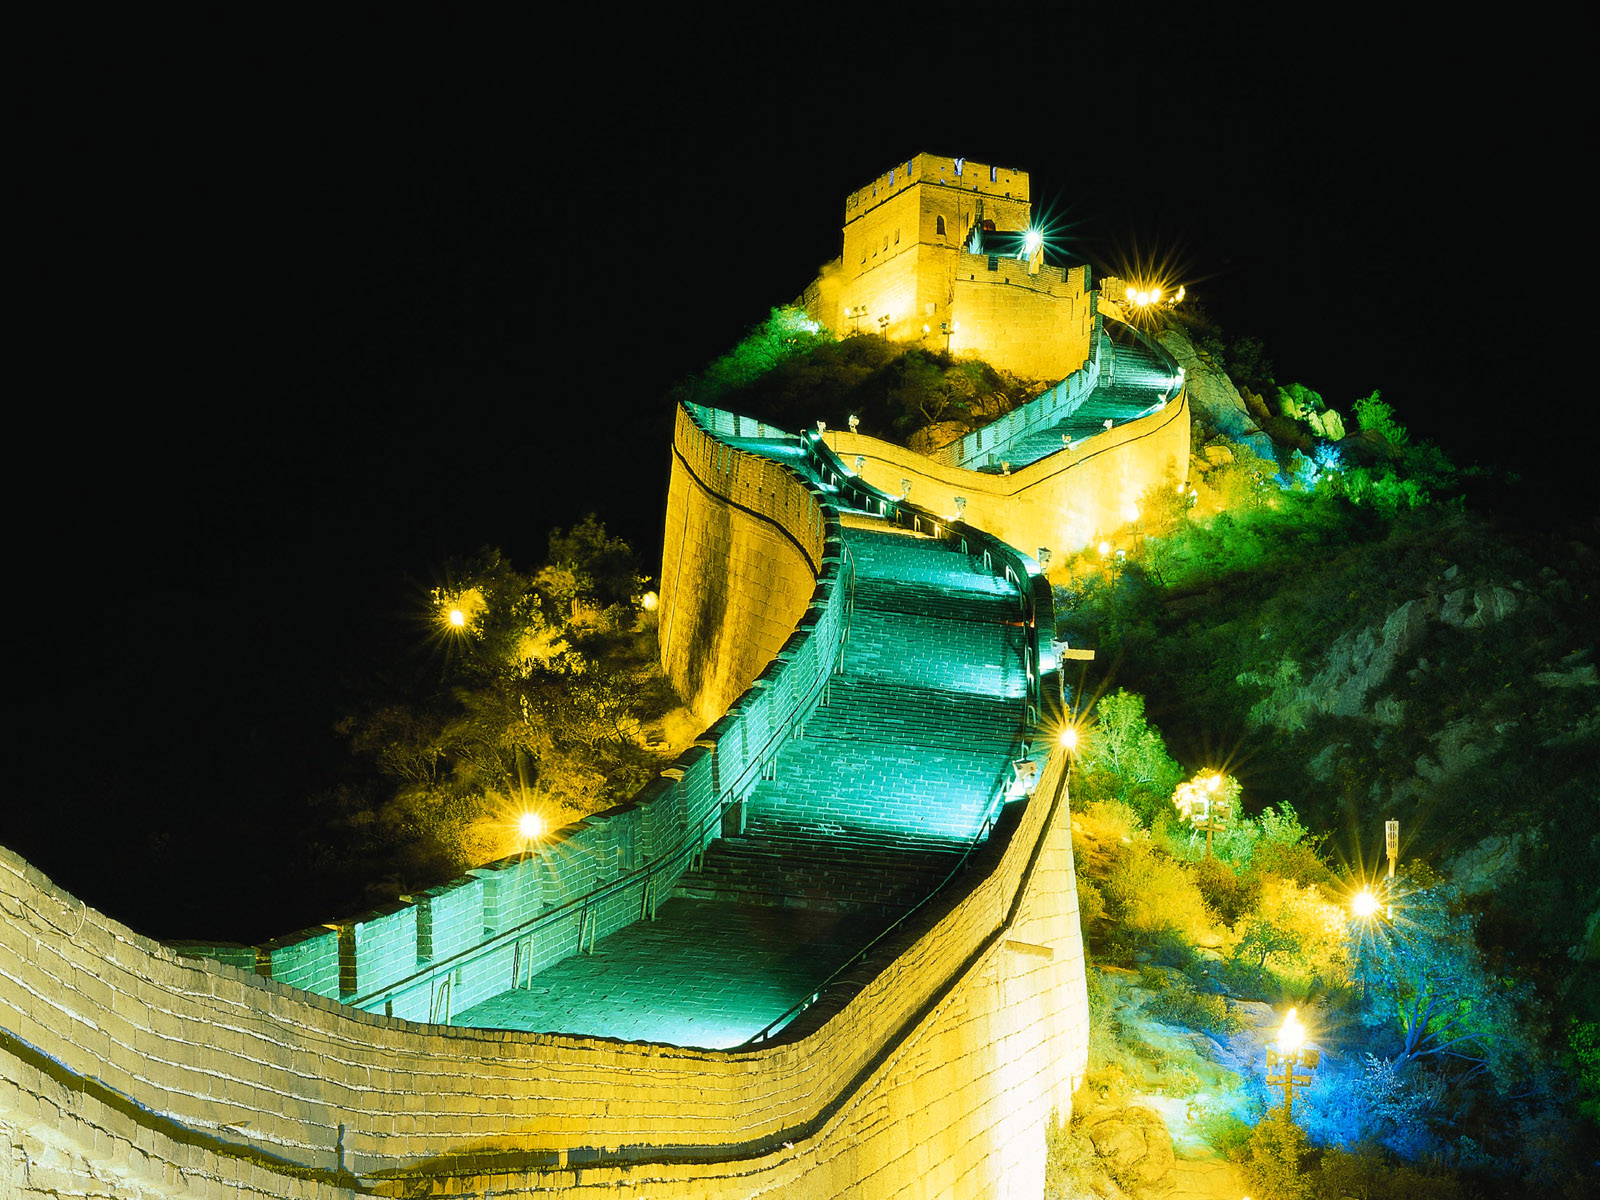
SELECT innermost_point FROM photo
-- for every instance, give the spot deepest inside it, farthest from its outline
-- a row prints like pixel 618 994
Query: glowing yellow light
pixel 1155 295
pixel 1213 782
pixel 649 601
pixel 1069 737
pixel 1293 1034
pixel 1104 548
pixel 459 611
pixel 1133 296
pixel 1179 297
pixel 530 825
pixel 1364 903
pixel 1131 513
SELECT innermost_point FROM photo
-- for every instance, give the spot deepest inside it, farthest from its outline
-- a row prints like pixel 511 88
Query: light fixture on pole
pixel 1291 1052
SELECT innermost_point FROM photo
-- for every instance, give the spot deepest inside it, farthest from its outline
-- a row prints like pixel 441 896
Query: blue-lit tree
pixel 1430 993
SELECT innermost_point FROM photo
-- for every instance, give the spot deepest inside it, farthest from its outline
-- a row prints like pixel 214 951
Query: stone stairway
pixel 871 809
pixel 1132 379
pixel 896 774
pixel 801 866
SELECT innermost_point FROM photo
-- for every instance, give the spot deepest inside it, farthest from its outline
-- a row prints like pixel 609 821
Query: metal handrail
pixel 794 1010
pixel 690 845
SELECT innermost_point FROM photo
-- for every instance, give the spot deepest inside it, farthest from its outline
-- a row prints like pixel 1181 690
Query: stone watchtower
pixel 938 251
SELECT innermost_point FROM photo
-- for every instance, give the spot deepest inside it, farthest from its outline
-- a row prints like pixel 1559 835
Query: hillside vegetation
pixel 1330 621
pixel 1344 645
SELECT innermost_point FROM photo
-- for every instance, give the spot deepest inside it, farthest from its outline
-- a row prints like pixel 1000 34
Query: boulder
pixel 1135 1144
pixel 1213 396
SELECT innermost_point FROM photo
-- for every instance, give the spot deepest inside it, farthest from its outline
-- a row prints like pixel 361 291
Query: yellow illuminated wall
pixel 130 1072
pixel 903 259
pixel 1063 502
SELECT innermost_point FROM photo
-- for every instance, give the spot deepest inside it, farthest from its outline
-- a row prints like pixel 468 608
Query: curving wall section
pixel 745 544
pixel 129 1070
pixel 1061 503
pixel 157 1074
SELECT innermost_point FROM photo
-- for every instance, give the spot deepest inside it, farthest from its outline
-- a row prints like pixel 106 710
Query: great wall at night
pixel 833 950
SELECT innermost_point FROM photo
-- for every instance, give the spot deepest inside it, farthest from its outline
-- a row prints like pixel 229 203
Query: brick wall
pixel 124 1061
pixel 1064 502
pixel 740 563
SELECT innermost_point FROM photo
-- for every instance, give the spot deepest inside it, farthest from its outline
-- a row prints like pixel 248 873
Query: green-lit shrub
pixel 1222 1129
pixel 1126 747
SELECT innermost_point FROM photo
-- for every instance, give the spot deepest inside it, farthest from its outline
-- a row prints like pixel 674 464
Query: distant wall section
pixel 1062 503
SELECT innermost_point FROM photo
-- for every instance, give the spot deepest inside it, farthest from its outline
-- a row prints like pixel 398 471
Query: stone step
pixel 791 866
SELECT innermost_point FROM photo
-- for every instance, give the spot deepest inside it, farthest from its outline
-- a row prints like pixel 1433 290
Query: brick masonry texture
pixel 165 1075
pixel 144 1072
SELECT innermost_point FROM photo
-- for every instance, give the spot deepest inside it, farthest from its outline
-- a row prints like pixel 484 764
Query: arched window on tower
pixel 938 226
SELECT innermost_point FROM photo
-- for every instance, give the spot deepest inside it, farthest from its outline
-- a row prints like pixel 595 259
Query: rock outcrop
pixel 1213 396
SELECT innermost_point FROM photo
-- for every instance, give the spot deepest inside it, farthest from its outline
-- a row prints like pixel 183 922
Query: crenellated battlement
pixel 920 261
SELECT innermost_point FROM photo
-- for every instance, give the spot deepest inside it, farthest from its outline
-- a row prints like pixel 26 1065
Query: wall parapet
pixel 312 1098
pixel 443 950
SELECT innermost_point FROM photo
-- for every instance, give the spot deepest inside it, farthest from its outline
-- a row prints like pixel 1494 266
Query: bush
pixel 1091 904
pixel 1226 892
pixel 1069 1161
pixel 1155 901
pixel 1365 1171
pixel 1221 1129
pixel 1298 862
pixel 1180 1004
pixel 1275 1159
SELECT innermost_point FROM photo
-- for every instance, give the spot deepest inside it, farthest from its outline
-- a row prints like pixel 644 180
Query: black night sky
pixel 303 312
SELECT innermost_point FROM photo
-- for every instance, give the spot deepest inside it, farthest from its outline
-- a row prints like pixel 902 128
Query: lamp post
pixel 947 328
pixel 1291 1052
pixel 1205 803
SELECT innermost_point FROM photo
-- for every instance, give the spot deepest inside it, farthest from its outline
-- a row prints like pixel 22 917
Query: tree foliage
pixel 533 700
pixel 1130 751
pixel 1428 986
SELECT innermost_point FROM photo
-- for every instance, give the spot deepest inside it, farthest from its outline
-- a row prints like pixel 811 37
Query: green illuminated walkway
pixel 871 809
pixel 700 974
pixel 1132 380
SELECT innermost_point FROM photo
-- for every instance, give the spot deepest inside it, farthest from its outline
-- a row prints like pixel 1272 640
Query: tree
pixel 603 570
pixel 786 333
pixel 535 696
pixel 1275 1159
pixel 1428 984
pixel 1375 416
pixel 1129 748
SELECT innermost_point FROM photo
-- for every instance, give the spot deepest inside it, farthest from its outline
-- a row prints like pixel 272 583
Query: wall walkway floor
pixel 703 973
pixel 908 758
